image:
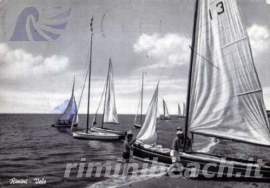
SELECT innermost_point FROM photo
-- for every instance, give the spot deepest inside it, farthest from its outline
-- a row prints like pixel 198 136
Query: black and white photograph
pixel 135 93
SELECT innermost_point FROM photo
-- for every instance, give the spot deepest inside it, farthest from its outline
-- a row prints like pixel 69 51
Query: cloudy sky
pixel 139 35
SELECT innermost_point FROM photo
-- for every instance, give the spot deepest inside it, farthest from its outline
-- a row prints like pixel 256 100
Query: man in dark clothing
pixel 127 150
pixel 177 146
pixel 178 142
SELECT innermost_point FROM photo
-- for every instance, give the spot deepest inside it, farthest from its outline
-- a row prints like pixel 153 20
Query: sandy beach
pixel 168 182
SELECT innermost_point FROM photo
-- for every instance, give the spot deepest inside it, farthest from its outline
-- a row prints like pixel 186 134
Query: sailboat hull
pixel 138 126
pixel 214 163
pixel 164 118
pixel 122 134
pixel 63 125
pixel 95 136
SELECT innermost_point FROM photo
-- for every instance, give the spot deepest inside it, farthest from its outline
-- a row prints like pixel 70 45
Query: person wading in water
pixel 127 150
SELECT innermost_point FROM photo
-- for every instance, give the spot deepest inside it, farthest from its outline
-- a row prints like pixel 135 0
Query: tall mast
pixel 73 85
pixel 105 100
pixel 89 81
pixel 142 99
pixel 190 70
pixel 76 112
pixel 73 99
pixel 163 108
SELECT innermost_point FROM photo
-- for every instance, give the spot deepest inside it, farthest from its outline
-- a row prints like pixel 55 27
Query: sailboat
pixel 145 144
pixel 89 134
pixel 140 106
pixel 109 110
pixel 166 115
pixel 224 98
pixel 181 114
pixel 179 111
pixel 184 109
pixel 70 114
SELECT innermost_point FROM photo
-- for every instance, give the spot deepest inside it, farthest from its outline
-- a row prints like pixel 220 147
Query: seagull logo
pixel 30 28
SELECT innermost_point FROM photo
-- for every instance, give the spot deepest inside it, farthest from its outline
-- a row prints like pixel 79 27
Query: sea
pixel 36 154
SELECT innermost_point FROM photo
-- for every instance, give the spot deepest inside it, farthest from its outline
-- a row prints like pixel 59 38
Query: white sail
pixel 148 134
pixel 226 94
pixel 67 115
pixel 110 113
pixel 138 115
pixel 75 117
pixel 165 109
pixel 76 120
pixel 179 110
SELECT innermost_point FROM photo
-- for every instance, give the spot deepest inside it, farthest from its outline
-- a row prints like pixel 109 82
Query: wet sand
pixel 168 182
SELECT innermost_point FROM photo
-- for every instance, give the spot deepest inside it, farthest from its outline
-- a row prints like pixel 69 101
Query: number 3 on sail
pixel 220 9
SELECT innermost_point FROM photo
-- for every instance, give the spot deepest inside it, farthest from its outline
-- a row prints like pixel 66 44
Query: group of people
pixel 178 145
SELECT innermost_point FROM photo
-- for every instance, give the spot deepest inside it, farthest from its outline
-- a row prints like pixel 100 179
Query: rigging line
pixel 174 69
pixel 166 89
pixel 77 111
pixel 86 75
pixel 82 90
pixel 137 111
pixel 203 58
pixel 101 96
pixel 183 15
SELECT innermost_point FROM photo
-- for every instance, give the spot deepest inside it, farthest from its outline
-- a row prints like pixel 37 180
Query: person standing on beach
pixel 127 150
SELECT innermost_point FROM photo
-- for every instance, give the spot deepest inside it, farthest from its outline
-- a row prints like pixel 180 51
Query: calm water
pixel 30 148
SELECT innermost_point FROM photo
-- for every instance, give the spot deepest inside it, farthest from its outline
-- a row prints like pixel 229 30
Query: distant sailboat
pixel 109 110
pixel 182 114
pixel 70 114
pixel 184 109
pixel 89 134
pixel 224 98
pixel 140 107
pixel 166 115
pixel 179 111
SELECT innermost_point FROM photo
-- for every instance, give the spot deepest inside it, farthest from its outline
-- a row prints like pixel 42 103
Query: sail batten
pixel 227 45
pixel 250 92
pixel 226 102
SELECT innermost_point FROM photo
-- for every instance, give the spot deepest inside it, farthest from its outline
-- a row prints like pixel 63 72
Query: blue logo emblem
pixel 30 28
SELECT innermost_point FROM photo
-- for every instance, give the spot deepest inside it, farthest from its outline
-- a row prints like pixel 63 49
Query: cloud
pixel 259 38
pixel 268 1
pixel 18 62
pixel 170 49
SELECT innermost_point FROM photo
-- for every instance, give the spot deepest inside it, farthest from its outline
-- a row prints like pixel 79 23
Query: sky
pixel 151 36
